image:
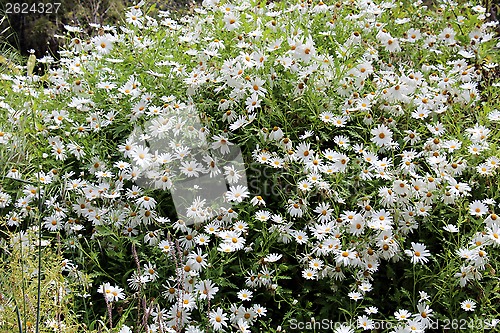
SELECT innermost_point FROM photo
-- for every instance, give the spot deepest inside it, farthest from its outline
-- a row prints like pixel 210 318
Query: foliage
pixel 253 166
pixel 9 57
pixel 19 289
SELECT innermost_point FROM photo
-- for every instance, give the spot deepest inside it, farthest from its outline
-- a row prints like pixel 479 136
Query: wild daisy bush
pixel 257 167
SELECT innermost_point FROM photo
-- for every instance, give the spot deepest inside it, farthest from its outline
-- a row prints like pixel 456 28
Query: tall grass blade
pixel 19 321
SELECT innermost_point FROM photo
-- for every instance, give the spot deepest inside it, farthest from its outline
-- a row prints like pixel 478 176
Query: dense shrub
pixel 263 167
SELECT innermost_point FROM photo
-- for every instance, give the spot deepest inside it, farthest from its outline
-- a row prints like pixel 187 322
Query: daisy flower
pixel 402 315
pixel 165 246
pixel 494 115
pixel 232 174
pixel 342 141
pixel 276 133
pixel 257 86
pixel 258 201
pixel 418 253
pixel 134 16
pixel 14 173
pixel 493 161
pixel 324 212
pixel 484 169
pixel 263 157
pixel 326 117
pixel 146 202
pixel 259 310
pixel 339 121
pixel 202 239
pixel 240 226
pixel 141 156
pixel 243 326
pixel 276 162
pixel 212 165
pixel 452 145
pixel 150 271
pixel 477 208
pixel 343 329
pixel 103 44
pixel 295 209
pixel 493 233
pixel 5 199
pixel 197 260
pixel 304 151
pixel 191 168
pixel 262 215
pixel 236 242
pixel 222 143
pixel 448 36
pixel 218 319
pixel 13 218
pixel 301 237
pixel 451 228
pixel 245 295
pixel 476 148
pixel 152 237
pixel 307 134
pixel 355 295
pixel 111 293
pixel 206 289
pixel 367 287
pixel 414 326
pixel 231 21
pixel 316 264
pixel 273 257
pixel 309 274
pixel 252 102
pixel 188 301
pixel 382 135
pixel 424 314
pixel 346 257
pixel 412 137
pixel 365 323
pixel 391 44
pixel 304 185
pixel 52 223
pixel 237 193
pixel 413 35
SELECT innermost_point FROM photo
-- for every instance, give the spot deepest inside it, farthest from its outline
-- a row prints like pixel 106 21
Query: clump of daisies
pixel 240 166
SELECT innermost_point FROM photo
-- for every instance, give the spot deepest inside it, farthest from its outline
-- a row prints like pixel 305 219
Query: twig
pixel 147 313
pixel 179 277
pixel 142 300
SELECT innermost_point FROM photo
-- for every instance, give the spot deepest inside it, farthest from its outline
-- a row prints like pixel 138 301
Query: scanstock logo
pixel 171 151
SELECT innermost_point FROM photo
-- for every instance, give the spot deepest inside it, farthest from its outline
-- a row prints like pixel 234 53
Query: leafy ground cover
pixel 253 167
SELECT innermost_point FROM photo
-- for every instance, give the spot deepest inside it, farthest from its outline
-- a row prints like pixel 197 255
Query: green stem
pixel 39 280
pixel 19 322
pixel 22 279
pixel 414 284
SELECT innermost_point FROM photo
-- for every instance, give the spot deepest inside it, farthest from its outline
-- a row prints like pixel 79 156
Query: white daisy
pixel 245 295
pixel 468 305
pixel 451 228
pixel 382 135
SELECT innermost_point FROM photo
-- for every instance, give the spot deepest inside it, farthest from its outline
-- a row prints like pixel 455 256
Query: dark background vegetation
pixel 36 30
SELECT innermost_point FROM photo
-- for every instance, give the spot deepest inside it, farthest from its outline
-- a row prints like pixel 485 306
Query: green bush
pixel 262 167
